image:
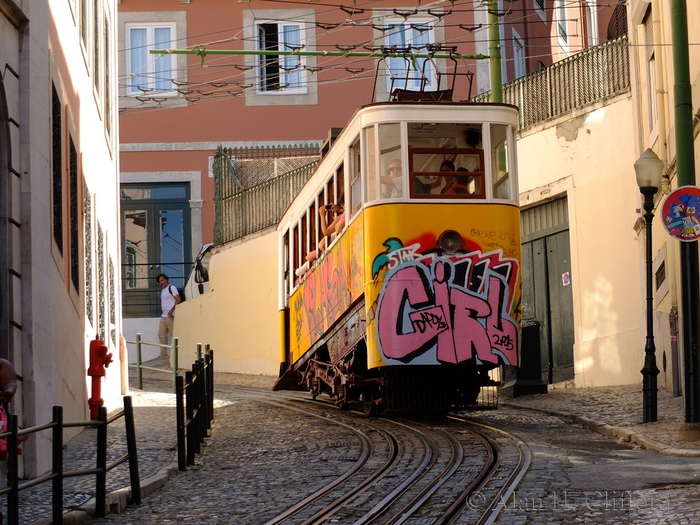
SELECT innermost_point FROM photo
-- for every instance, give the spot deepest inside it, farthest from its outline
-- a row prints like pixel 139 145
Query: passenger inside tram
pixel 440 184
pixel 391 182
pixel 457 185
pixel 328 228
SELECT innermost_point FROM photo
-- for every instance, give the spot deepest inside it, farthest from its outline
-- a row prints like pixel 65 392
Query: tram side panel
pixel 326 292
pixel 427 307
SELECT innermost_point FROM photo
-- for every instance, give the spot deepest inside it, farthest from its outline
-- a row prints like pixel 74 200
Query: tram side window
pixel 370 146
pixel 313 227
pixel 286 275
pixel 296 249
pixel 390 161
pixel 499 162
pixel 355 200
pixel 304 238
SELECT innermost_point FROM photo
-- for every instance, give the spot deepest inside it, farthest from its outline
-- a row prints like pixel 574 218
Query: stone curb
pixel 117 500
pixel 621 433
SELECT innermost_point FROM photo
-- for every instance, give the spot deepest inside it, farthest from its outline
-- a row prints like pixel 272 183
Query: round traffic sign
pixel 680 213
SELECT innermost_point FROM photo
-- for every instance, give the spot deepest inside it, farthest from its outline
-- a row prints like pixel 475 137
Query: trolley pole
pixel 495 53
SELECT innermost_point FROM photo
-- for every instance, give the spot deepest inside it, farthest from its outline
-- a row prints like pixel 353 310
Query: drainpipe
pixel 685 162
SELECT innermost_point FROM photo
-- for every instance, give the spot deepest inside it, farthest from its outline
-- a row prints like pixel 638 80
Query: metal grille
pixel 618 22
pixel 252 194
pixel 112 304
pixel 87 204
pixel 73 204
pixel 437 388
pixel 543 220
pixel 101 321
pixel 57 168
pixel 582 79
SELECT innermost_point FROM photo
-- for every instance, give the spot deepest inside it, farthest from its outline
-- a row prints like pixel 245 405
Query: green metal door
pixel 547 292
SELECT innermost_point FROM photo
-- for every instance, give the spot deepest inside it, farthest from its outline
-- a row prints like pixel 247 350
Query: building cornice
pixel 203 146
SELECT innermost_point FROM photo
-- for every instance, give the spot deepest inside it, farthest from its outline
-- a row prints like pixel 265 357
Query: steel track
pixel 418 490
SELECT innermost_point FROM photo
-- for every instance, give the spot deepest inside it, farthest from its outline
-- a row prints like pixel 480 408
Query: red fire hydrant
pixel 99 360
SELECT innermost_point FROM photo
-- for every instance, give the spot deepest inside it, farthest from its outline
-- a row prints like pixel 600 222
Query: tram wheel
pixel 369 406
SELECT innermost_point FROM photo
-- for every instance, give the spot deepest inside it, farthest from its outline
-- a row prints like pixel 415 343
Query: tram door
pixel 547 290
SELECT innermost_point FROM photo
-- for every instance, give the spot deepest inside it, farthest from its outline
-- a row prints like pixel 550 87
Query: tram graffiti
pixel 456 308
pixel 325 293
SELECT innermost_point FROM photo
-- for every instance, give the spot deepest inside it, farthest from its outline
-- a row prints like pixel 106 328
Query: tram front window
pixel 446 173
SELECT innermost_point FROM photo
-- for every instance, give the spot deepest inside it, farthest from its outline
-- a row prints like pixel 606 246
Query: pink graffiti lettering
pixel 503 333
pixel 395 342
pixel 460 324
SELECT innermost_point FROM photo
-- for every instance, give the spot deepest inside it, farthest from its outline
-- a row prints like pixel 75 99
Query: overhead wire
pixel 197 81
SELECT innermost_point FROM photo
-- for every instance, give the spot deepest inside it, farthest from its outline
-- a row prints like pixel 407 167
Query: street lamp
pixel 649 169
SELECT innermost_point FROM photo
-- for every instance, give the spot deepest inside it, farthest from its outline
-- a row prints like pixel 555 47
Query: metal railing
pixel 140 367
pixel 575 82
pixel 57 474
pixel 194 397
pixel 240 212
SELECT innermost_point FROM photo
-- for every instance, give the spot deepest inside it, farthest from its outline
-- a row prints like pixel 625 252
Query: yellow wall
pixel 239 317
pixel 590 161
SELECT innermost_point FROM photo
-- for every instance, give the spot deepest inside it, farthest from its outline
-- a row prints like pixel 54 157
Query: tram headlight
pixel 450 241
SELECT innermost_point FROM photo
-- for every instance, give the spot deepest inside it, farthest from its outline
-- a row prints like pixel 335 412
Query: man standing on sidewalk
pixel 169 298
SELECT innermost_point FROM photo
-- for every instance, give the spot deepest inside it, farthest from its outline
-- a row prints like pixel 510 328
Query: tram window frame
pixel 501 157
pixel 354 203
pixel 477 178
pixel 313 226
pixel 369 135
pixel 390 138
pixel 296 252
pixel 335 192
pixel 304 229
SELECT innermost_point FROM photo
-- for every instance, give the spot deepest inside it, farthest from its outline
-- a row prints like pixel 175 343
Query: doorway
pixel 156 232
pixel 547 290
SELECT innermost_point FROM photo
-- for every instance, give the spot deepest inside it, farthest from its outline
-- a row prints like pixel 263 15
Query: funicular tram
pixel 400 281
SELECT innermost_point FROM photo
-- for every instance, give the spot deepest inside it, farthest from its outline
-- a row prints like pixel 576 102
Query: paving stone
pixel 258 459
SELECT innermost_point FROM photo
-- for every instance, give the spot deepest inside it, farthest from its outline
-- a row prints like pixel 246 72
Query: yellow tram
pixel 400 268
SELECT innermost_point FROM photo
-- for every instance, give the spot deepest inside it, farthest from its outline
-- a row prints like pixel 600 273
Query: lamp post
pixel 649 169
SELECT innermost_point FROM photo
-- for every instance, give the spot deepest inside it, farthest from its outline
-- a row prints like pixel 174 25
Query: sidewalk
pixel 612 411
pixel 617 411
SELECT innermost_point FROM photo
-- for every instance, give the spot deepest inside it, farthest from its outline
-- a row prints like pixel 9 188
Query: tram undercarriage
pixel 339 370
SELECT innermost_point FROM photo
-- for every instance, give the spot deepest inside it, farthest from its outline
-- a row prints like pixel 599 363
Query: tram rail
pixel 425 460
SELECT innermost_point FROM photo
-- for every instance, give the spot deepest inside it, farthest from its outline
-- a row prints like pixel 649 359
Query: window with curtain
pixel 149 74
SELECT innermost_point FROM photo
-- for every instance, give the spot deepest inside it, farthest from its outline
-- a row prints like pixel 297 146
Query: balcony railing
pixel 240 211
pixel 573 83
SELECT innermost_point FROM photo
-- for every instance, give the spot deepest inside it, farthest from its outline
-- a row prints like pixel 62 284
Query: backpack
pixel 180 292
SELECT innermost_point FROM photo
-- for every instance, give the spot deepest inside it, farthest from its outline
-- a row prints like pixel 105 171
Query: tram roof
pixel 404 111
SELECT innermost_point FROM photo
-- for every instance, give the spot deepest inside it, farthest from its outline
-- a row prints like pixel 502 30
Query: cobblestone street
pixel 261 459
